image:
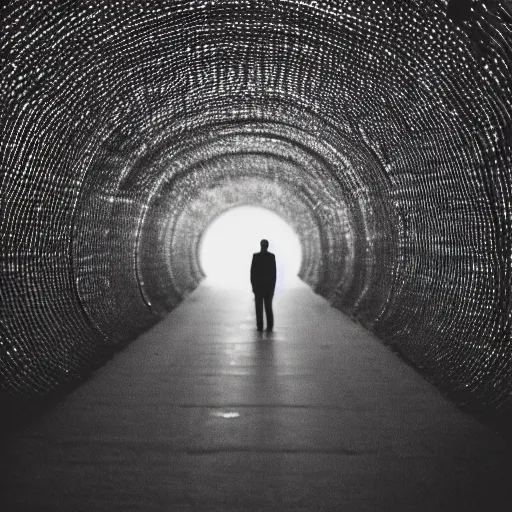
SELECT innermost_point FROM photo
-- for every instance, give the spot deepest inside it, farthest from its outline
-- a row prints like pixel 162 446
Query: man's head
pixel 264 245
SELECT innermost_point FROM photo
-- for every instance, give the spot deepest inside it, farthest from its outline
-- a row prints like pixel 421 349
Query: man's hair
pixel 264 243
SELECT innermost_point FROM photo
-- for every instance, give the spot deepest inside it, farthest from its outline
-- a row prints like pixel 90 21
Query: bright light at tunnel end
pixel 227 246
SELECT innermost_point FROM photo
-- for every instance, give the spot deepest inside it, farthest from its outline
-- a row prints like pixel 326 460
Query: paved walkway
pixel 202 413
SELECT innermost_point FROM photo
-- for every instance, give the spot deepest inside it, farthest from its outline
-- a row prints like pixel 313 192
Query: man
pixel 263 280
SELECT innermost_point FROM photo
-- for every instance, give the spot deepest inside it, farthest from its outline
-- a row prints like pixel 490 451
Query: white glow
pixel 227 246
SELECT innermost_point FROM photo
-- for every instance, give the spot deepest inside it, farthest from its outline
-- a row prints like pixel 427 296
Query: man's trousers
pixel 266 299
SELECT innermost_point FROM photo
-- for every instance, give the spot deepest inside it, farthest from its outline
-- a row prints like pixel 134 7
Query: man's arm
pixel 253 272
pixel 274 273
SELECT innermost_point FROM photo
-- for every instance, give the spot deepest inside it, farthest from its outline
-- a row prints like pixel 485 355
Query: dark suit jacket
pixel 263 273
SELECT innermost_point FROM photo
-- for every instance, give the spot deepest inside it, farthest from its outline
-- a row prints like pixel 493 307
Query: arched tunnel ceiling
pixel 381 130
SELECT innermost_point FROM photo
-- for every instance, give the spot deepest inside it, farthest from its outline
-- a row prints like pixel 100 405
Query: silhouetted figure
pixel 263 280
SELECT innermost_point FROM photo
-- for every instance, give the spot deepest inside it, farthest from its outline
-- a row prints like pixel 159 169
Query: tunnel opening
pixel 226 247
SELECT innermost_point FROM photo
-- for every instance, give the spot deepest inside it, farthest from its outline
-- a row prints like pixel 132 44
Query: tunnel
pixel 379 131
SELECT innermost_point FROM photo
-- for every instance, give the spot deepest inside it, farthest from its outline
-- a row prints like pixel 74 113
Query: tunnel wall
pixel 387 124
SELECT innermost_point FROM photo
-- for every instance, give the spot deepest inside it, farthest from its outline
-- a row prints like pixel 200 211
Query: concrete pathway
pixel 202 413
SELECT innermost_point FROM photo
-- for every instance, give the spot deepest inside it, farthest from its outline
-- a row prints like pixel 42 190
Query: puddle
pixel 225 415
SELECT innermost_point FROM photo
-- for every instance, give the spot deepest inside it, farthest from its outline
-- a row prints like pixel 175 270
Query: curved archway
pixel 120 124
